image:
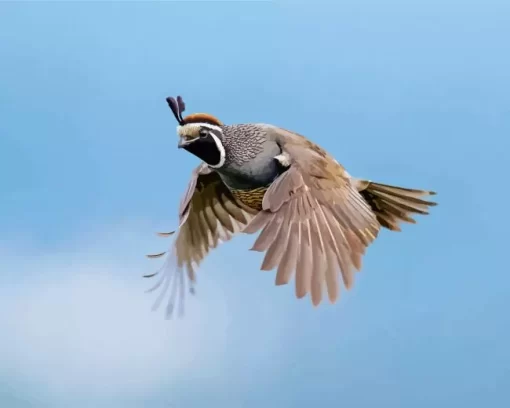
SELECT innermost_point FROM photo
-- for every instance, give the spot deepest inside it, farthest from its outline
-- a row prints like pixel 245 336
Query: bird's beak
pixel 183 142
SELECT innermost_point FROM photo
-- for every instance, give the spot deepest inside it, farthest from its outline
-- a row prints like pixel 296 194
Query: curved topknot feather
pixel 181 105
pixel 177 107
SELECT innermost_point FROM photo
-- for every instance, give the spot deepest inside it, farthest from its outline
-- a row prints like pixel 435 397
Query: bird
pixel 314 220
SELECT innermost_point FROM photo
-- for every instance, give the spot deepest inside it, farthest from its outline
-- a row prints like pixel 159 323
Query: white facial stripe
pixel 191 129
pixel 221 149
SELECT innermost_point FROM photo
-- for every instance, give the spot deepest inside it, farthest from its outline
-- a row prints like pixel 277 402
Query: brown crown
pixel 202 118
pixel 177 106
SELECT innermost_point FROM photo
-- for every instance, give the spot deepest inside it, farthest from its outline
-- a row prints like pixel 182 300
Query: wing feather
pixel 288 262
pixel 208 215
pixel 268 234
pixel 305 261
pixel 314 224
pixel 275 251
pixel 319 253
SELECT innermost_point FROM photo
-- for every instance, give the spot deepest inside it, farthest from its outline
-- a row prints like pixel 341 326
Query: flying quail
pixel 315 220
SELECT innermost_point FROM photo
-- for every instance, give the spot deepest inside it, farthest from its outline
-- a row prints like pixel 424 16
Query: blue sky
pixel 418 94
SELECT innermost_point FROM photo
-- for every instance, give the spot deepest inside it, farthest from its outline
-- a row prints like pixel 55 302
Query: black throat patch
pixel 205 149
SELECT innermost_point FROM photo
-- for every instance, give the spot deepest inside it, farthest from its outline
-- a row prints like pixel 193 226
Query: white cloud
pixel 77 321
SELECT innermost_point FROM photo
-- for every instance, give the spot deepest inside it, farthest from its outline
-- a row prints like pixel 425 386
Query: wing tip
pixel 165 234
pixel 155 256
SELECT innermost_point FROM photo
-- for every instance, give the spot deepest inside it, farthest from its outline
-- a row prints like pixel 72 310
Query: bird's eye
pixel 203 133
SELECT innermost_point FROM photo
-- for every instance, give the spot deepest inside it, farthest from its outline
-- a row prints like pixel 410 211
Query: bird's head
pixel 199 134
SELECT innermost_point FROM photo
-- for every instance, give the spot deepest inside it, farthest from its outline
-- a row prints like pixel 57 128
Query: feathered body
pixel 314 220
pixel 250 156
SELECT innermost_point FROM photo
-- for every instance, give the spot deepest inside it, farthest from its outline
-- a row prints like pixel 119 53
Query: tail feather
pixel 393 205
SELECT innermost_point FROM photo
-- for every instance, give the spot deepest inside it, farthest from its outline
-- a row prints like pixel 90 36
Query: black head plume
pixel 177 107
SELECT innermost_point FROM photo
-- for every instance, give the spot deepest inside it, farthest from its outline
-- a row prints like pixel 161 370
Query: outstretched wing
pixel 208 215
pixel 314 222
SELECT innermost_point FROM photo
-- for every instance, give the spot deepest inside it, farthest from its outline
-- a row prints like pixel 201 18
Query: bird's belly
pixel 250 197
